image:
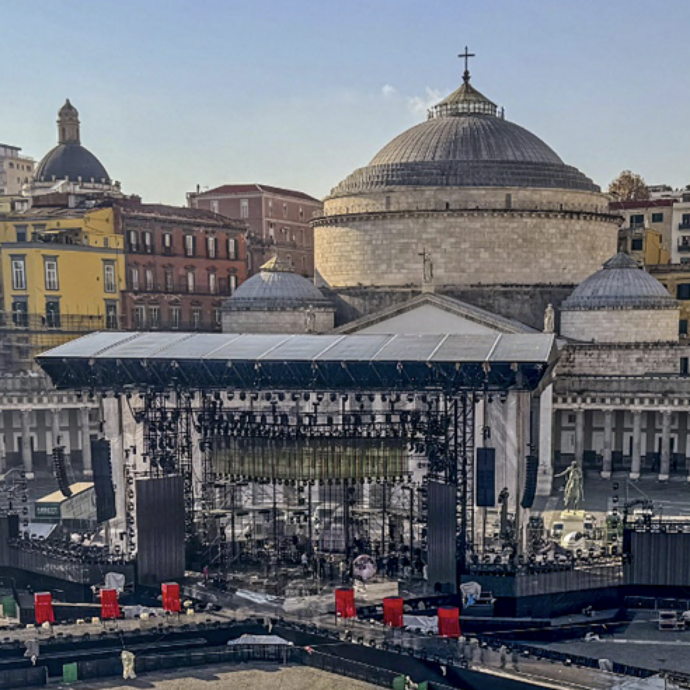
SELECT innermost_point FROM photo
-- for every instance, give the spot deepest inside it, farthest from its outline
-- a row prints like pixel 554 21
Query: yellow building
pixel 676 279
pixel 61 270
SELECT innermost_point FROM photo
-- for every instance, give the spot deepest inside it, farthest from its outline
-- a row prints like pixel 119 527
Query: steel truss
pixel 269 476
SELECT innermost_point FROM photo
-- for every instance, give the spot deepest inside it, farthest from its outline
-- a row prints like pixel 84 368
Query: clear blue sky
pixel 172 93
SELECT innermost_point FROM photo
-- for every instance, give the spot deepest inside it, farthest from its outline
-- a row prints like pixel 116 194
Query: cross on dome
pixel 467 55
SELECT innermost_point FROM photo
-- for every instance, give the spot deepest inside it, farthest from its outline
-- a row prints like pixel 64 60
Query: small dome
pixel 68 110
pixel 71 161
pixel 276 287
pixel 620 284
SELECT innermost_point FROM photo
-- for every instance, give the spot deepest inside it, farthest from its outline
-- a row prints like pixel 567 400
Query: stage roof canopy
pixel 120 361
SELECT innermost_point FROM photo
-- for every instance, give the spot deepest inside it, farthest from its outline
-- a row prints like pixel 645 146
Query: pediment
pixel 430 313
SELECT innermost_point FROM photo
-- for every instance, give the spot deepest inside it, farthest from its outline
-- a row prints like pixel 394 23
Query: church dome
pixel 276 287
pixel 465 143
pixel 620 284
pixel 71 162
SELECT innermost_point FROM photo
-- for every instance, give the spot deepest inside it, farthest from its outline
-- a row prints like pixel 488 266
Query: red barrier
pixel 171 597
pixel 345 603
pixel 109 606
pixel 449 621
pixel 393 612
pixel 43 604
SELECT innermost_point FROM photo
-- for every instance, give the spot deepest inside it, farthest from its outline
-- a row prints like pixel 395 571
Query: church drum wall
pixel 497 246
pixel 621 325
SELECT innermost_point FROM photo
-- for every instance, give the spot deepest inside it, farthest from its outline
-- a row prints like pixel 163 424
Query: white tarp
pixel 115 581
pixel 424 624
pixel 259 639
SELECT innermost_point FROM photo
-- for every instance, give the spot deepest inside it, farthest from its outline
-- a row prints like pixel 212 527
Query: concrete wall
pixel 618 360
pixel 621 325
pixel 288 321
pixel 470 235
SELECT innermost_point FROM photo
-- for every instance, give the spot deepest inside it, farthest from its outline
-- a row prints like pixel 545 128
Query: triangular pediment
pixel 431 313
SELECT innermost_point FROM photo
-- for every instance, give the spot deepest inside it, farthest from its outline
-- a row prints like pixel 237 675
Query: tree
pixel 629 186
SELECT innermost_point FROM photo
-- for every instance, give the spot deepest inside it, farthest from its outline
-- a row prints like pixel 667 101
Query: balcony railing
pixel 684 226
pixel 70 323
pixel 684 246
pixel 181 287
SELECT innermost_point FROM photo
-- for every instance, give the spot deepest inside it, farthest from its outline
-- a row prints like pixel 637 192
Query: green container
pixel 399 683
pixel 9 606
pixel 70 673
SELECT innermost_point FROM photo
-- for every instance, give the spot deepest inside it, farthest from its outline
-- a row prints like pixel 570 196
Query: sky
pixel 298 94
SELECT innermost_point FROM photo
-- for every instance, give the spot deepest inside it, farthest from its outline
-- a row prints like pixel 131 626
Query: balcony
pixel 684 247
pixel 70 323
pixel 684 226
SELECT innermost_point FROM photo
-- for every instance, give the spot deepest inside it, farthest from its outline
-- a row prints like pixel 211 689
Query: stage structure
pixel 303 443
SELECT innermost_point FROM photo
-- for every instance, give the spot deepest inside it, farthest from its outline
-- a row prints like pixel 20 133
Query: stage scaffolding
pixel 296 444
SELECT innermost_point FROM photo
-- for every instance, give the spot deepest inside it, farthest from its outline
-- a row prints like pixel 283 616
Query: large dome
pixel 620 284
pixel 72 162
pixel 465 143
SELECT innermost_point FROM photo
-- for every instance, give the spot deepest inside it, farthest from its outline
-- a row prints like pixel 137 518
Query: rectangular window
pixel 214 206
pixel 657 217
pixel 134 278
pixel 683 291
pixel 189 245
pixel 637 245
pixel 154 316
pixel 50 267
pixel 270 208
pixel 109 276
pixel 139 317
pixel 191 282
pixel 196 318
pixel 285 211
pixel 167 241
pixel 217 316
pixel 53 313
pixel 148 243
pixel 636 220
pixel 148 276
pixel 684 366
pixel 685 221
pixel 244 208
pixel 212 283
pixel 169 280
pixel 175 317
pixel 20 313
pixel 211 246
pixel 301 213
pixel 232 248
pixel 232 284
pixel 683 327
pixel 133 241
pixel 21 232
pixel 111 316
pixel 18 273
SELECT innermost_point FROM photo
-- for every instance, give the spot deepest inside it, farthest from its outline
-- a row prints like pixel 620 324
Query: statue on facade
pixel 428 267
pixel 574 494
pixel 310 320
pixel 549 319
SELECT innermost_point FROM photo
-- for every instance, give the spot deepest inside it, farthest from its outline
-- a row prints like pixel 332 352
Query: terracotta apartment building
pixel 180 265
pixel 277 221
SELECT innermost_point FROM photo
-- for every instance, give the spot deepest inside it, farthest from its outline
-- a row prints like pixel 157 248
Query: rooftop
pixel 257 189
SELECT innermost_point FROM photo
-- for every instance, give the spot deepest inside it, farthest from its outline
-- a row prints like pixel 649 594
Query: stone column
pixel 546 422
pixel 579 436
pixel 55 427
pixel 85 427
pixel 608 445
pixel 27 457
pixel 665 468
pixel 636 445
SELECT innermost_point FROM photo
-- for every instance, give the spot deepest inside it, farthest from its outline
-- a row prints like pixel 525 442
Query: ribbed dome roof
pixel 276 287
pixel 620 284
pixel 464 143
pixel 71 161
